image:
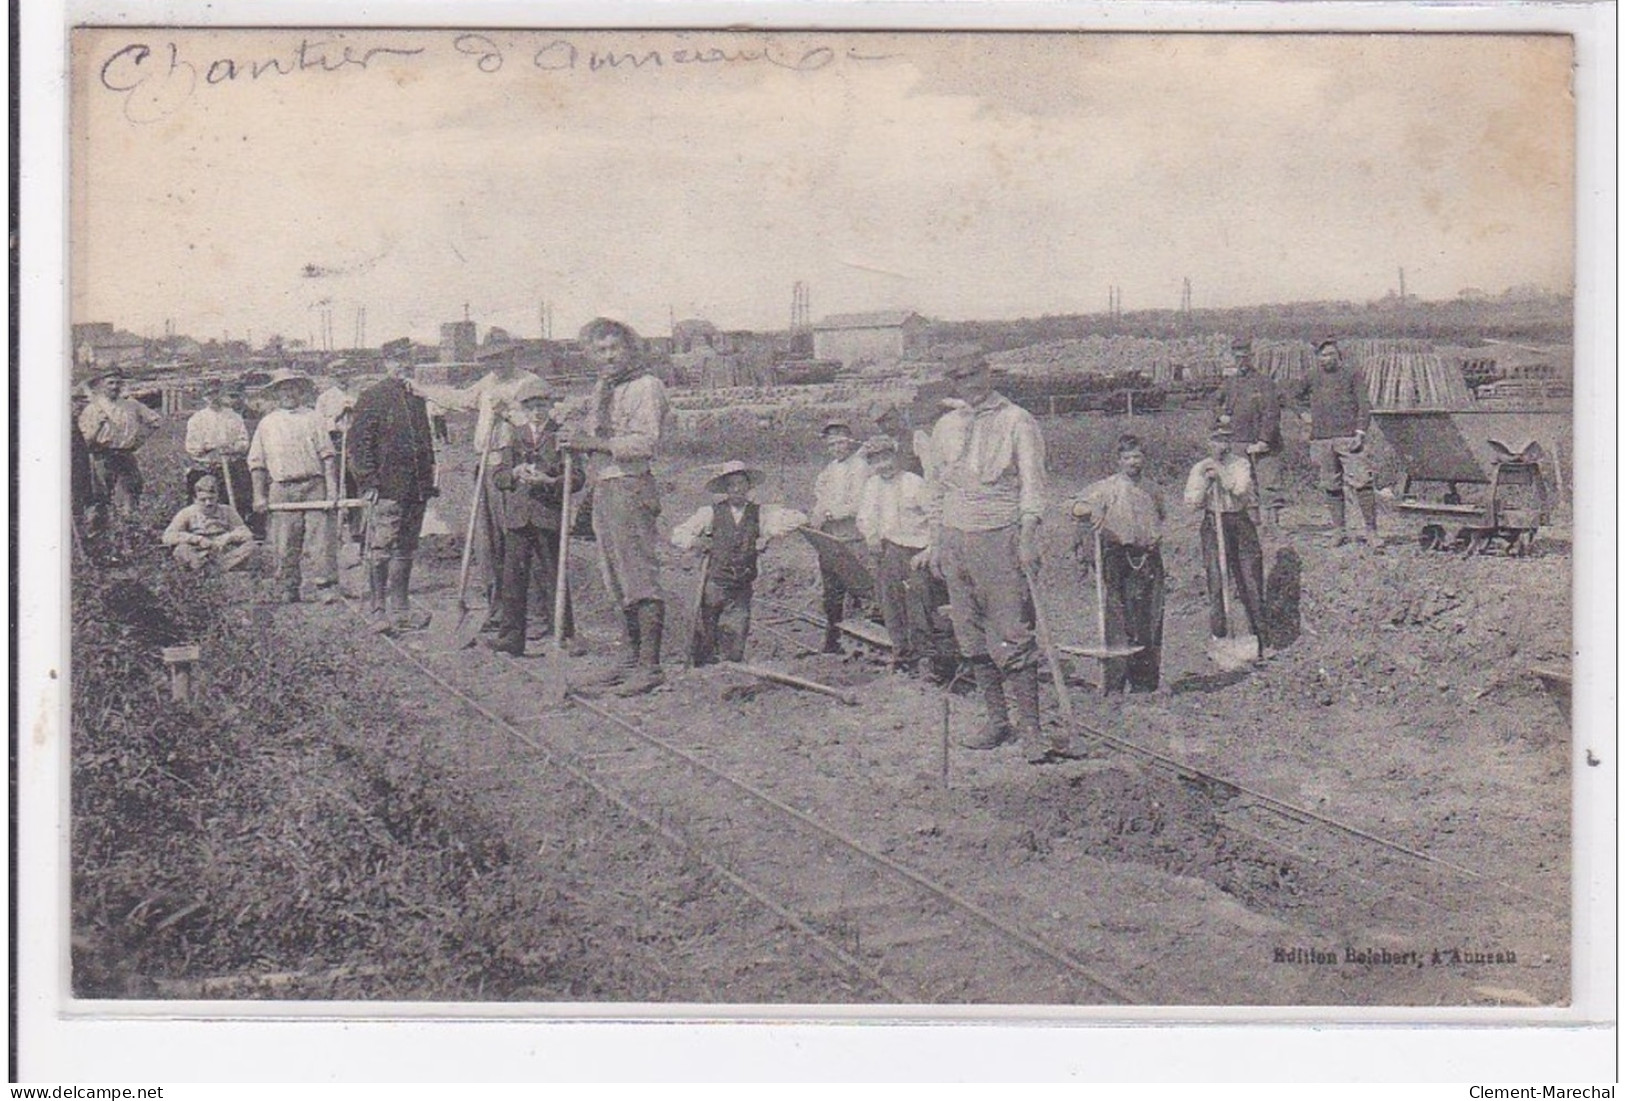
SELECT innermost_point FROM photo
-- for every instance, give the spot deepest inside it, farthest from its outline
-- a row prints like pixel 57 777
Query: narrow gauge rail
pixel 1256 815
pixel 910 937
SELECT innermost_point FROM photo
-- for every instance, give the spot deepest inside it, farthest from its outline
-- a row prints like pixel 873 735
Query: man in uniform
pixel 987 498
pixel 1339 416
pixel 392 458
pixel 623 433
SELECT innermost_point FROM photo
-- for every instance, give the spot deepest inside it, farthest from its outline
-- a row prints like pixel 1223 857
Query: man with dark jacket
pixel 1249 404
pixel 529 473
pixel 1339 415
pixel 392 456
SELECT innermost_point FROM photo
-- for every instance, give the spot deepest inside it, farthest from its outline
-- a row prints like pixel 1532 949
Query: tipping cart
pixel 1495 495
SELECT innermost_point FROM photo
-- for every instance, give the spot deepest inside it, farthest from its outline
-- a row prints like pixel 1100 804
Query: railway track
pixel 906 935
pixel 1375 866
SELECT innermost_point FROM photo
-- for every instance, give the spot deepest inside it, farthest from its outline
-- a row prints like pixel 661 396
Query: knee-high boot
pixel 626 661
pixel 377 585
pixel 400 583
pixel 991 683
pixel 647 676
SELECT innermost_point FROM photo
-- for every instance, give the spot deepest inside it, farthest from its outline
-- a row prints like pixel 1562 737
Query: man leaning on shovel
pixel 1221 487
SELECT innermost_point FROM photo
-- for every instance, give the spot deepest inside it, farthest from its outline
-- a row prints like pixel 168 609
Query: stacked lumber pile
pixel 1288 362
pixel 1408 374
pixel 1199 357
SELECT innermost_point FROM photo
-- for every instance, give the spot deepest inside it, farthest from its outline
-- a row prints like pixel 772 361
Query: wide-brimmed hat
pixel 832 427
pixel 285 376
pixel 1221 432
pixel 533 389
pixel 713 484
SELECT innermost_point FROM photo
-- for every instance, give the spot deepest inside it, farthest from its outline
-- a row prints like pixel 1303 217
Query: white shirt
pixel 988 463
pixel 838 487
pixel 637 412
pixel 331 404
pixel 895 509
pixel 483 396
pixel 1234 485
pixel 775 521
pixel 221 431
pixel 290 444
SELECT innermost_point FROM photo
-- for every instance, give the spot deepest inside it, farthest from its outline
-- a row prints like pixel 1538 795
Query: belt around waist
pixel 298 478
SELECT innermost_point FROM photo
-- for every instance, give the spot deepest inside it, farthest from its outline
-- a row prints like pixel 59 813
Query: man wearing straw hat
pixel 1129 516
pixel 1339 416
pixel 1222 484
pixel 291 460
pixel 529 473
pixel 392 458
pixel 1250 403
pixel 986 500
pixel 731 533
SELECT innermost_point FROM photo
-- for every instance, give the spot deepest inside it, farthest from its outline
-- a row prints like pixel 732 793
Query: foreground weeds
pixel 287 834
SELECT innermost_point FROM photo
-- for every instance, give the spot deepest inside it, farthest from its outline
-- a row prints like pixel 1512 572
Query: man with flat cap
pixel 1339 415
pixel 114 427
pixel 1249 404
pixel 986 500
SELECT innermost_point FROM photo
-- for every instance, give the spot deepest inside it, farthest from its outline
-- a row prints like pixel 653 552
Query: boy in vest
pixel 730 534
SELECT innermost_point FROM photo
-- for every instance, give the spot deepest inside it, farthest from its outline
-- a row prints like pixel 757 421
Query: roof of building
pixel 881 319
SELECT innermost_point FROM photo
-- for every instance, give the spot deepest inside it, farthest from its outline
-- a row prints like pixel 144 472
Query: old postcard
pixel 604 523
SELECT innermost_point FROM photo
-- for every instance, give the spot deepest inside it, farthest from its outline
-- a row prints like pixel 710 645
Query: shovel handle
pixel 561 589
pixel 1041 623
pixel 473 519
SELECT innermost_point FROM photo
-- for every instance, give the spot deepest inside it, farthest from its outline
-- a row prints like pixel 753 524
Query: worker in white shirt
pixel 1222 484
pixel 114 427
pixel 731 533
pixel 216 441
pixel 894 520
pixel 291 459
pixel 835 513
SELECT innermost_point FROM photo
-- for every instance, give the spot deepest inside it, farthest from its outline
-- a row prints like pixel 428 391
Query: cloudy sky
pixel 963 175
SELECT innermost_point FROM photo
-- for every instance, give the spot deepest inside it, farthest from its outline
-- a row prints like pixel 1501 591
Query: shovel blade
pixel 466 629
pixel 1103 652
pixel 1234 653
pixel 433 523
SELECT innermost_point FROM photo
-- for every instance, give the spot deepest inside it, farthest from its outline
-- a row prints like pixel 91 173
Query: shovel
pixel 696 605
pixel 1105 651
pixel 231 491
pixel 468 624
pixel 1234 651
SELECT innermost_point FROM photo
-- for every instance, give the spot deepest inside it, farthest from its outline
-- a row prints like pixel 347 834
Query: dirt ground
pixel 1405 708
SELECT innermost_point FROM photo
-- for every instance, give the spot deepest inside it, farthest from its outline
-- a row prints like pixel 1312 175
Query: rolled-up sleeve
pixel 684 534
pixel 779 521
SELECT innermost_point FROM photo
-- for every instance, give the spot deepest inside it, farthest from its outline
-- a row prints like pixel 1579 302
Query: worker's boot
pixel 647 676
pixel 1038 746
pixel 626 661
pixel 991 683
pixel 1336 505
pixel 401 613
pixel 1367 499
pixel 377 585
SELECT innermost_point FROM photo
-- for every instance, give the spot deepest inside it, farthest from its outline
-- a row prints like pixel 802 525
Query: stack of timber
pixel 1161 361
pixel 1408 374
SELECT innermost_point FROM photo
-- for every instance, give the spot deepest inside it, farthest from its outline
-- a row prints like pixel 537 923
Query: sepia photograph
pixel 700 520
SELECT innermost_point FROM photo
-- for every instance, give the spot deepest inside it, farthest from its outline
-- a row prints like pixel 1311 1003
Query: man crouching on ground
pixel 628 409
pixel 986 499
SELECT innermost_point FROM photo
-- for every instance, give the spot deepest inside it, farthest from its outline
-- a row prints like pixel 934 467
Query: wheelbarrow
pixel 1456 448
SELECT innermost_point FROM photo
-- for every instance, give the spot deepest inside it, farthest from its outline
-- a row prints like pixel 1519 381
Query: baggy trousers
pixel 625 512
pixel 992 610
pixel 1133 581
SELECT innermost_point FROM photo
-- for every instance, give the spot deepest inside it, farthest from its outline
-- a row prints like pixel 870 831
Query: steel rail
pixel 680 843
pixel 937 890
pixel 1280 806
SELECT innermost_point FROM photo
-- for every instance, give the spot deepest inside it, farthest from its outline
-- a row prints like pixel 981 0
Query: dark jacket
pixel 733 545
pixel 1253 404
pixel 1338 403
pixel 530 504
pixel 391 450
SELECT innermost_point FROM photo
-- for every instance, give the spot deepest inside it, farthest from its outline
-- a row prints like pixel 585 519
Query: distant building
pixel 693 335
pixel 861 339
pixel 99 344
pixel 457 343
